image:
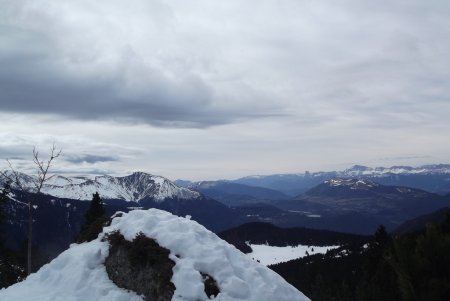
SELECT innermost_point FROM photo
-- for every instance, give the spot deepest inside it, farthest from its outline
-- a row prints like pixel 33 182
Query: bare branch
pixel 42 171
pixel 14 177
pixel 44 167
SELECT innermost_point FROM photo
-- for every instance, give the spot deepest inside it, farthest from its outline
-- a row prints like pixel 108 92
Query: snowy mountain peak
pixel 26 180
pixel 134 187
pixel 79 273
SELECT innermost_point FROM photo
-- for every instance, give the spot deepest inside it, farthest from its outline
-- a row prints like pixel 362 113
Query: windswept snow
pixel 268 255
pixel 79 274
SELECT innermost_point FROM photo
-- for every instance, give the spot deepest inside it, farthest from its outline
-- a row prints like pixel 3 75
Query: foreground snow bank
pixel 79 273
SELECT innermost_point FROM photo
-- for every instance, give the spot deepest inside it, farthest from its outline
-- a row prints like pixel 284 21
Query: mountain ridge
pixel 233 194
pixel 133 188
pixel 433 178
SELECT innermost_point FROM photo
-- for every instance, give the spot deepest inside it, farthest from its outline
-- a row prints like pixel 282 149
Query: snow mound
pixel 79 273
pixel 76 274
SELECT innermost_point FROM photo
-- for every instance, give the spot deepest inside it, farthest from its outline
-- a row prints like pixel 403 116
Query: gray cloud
pixel 64 74
pixel 85 171
pixel 13 154
pixel 254 83
pixel 90 158
pixel 39 87
pixel 151 63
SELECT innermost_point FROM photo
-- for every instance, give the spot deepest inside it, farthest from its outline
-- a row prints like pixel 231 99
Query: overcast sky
pixel 222 89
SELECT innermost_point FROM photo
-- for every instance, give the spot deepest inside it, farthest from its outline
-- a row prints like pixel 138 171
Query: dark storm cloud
pixel 34 83
pixel 91 159
pixel 37 77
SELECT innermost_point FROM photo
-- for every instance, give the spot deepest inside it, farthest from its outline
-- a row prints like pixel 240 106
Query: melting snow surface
pixel 79 273
pixel 268 255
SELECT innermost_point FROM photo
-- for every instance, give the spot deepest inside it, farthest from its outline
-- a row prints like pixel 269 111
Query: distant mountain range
pixel 351 205
pixel 360 205
pixel 345 204
pixel 433 178
pixel 59 209
pixel 233 194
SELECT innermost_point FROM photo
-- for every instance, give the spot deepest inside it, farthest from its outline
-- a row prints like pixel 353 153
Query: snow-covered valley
pixel 269 255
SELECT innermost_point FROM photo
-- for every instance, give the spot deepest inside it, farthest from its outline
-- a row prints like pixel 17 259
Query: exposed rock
pixel 211 288
pixel 141 266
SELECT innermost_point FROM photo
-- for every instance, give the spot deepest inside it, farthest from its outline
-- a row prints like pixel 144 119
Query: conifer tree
pixel 95 210
pixel 10 270
pixel 95 219
pixel 3 197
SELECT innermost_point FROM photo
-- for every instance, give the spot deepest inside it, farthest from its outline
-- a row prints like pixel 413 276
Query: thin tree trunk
pixel 30 236
pixel 42 170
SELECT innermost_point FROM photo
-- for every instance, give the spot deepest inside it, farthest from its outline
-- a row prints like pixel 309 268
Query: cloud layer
pixel 104 61
pixel 167 63
pixel 278 75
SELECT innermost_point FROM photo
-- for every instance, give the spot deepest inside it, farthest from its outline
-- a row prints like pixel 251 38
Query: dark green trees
pixel 422 263
pixel 405 267
pixel 10 270
pixel 95 219
pixel 95 210
pixel 3 197
pixel 378 280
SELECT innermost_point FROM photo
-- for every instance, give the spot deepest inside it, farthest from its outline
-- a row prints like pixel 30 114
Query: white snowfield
pixel 268 255
pixel 79 274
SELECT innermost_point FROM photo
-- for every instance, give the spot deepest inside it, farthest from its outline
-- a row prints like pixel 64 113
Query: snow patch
pixel 268 255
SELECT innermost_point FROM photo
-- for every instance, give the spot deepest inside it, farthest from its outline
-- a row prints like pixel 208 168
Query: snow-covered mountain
pixel 134 187
pixel 351 183
pixel 433 178
pixel 359 170
pixel 80 274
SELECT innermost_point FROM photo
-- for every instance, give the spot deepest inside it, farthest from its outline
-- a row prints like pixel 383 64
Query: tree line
pixel 408 267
